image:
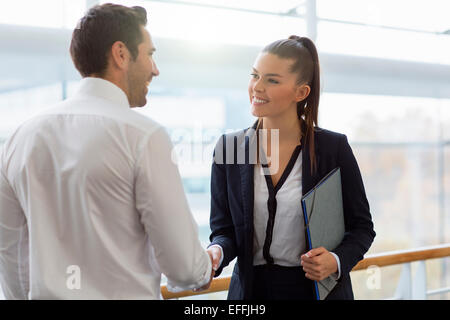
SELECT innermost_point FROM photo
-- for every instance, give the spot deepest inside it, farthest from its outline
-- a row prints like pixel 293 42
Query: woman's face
pixel 273 89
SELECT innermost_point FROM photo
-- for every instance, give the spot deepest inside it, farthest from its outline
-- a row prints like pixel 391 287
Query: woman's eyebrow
pixel 269 74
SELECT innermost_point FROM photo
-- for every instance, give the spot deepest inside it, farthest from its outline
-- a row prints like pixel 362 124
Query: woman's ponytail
pixel 309 108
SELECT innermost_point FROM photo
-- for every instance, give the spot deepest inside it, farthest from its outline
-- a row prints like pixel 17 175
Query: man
pixel 91 203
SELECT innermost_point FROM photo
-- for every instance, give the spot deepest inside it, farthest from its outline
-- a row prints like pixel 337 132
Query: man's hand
pixel 214 255
pixel 318 264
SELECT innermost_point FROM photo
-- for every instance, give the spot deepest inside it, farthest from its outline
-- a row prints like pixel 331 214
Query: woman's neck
pixel 288 126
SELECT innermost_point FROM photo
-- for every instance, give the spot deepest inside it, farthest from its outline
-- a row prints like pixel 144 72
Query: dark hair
pixel 306 64
pixel 97 31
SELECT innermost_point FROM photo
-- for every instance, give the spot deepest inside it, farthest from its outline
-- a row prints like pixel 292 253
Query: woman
pixel 255 206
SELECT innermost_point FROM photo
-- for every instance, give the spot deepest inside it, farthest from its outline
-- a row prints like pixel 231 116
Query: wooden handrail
pixel 404 256
pixel 379 260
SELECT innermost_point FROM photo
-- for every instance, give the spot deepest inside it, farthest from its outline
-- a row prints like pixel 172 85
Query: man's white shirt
pixel 89 192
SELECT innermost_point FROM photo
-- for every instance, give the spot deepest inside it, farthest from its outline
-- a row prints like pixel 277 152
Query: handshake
pixel 215 254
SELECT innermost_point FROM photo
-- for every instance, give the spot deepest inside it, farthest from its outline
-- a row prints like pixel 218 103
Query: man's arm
pixel 165 214
pixel 14 268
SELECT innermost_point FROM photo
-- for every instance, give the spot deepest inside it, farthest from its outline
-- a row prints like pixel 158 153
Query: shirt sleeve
pixel 14 266
pixel 166 217
pixel 336 275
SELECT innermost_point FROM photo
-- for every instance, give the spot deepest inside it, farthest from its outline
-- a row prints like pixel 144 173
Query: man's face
pixel 141 71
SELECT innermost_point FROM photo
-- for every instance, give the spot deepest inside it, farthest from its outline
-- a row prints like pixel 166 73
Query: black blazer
pixel 231 219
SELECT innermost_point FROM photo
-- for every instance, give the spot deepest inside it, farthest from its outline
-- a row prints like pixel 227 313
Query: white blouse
pixel 288 242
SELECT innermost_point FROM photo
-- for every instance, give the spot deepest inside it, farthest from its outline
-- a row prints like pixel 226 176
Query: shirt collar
pixel 101 88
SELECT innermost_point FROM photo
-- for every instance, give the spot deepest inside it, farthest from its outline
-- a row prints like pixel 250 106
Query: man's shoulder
pixel 138 125
pixel 128 117
pixel 146 124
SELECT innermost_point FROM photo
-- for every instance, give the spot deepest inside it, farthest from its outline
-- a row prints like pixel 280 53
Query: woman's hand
pixel 214 254
pixel 318 264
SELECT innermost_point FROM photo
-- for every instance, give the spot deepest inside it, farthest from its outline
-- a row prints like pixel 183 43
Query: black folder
pixel 324 220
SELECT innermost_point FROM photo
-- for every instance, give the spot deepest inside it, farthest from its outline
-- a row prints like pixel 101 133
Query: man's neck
pixel 115 79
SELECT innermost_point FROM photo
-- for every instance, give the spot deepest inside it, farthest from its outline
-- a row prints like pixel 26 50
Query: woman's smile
pixel 256 101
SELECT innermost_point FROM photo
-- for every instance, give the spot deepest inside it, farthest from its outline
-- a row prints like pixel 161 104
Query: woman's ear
pixel 302 92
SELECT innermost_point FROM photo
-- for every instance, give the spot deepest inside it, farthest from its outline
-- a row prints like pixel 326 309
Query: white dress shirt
pixel 92 205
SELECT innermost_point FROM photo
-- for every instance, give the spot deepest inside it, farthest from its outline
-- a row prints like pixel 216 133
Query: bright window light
pixel 42 13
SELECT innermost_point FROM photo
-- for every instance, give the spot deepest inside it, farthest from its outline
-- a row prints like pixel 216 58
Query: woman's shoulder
pixel 329 142
pixel 328 135
pixel 238 134
pixel 231 143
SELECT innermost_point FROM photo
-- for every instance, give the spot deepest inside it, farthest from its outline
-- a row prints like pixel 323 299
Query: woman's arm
pixel 221 223
pixel 359 232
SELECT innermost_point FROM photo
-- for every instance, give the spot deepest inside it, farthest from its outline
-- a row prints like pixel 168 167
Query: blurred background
pixel 385 68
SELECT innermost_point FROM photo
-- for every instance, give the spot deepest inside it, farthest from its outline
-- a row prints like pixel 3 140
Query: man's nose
pixel 155 70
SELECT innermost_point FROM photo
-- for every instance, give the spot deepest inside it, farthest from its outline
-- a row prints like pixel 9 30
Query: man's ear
pixel 302 92
pixel 120 56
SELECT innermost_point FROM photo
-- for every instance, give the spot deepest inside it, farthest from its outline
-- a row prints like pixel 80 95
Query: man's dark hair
pixel 97 31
